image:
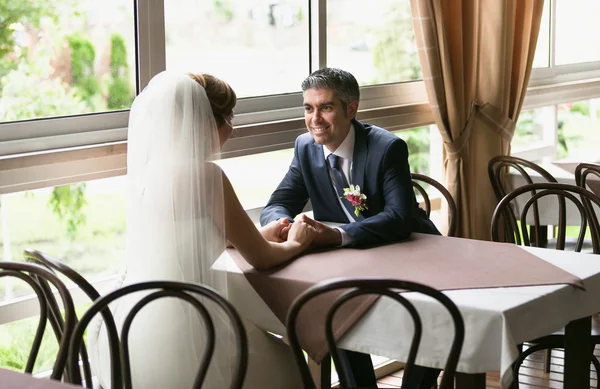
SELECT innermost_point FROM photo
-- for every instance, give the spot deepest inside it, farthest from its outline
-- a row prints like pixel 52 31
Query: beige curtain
pixel 476 57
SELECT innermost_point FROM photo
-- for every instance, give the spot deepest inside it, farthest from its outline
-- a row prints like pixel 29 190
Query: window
pixel 534 129
pixel 260 48
pixel 542 50
pixel 66 57
pixel 567 130
pixel 81 224
pixel 579 130
pixel 375 53
pixel 576 31
pixel 566 69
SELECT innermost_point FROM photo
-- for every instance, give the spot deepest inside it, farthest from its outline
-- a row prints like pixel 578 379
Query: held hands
pixel 277 230
pixel 305 231
pixel 325 235
pixel 301 233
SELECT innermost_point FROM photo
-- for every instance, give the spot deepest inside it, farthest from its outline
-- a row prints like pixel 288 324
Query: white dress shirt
pixel 345 151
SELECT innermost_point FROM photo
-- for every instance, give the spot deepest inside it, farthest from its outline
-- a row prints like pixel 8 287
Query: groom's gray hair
pixel 342 82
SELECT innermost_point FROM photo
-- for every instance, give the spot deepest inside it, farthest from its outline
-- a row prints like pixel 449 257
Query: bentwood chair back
pixel 384 287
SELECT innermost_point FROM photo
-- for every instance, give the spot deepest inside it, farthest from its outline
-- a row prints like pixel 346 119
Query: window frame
pixel 55 151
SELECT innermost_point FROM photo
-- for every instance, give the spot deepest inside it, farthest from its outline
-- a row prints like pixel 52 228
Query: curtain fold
pixel 476 58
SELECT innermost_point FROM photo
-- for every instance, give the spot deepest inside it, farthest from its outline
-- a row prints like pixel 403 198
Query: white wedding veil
pixel 175 229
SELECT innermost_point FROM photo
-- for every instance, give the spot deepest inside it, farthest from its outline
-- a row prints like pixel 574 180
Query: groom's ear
pixel 352 109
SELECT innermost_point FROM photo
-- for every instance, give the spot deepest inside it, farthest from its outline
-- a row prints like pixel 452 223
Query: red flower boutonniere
pixel 357 199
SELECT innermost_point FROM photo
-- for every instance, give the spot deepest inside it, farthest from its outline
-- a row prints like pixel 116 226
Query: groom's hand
pixel 326 236
pixel 277 230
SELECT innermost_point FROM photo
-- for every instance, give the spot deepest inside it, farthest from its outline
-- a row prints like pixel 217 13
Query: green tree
pixel 83 76
pixel 120 93
pixel 67 201
pixel 224 10
pixel 29 92
pixel 394 56
pixel 13 15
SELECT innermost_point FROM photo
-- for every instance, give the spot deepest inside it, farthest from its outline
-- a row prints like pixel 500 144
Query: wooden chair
pixel 39 278
pixel 384 287
pixel 583 170
pixel 55 317
pixel 582 199
pixel 417 182
pixel 496 169
pixel 161 289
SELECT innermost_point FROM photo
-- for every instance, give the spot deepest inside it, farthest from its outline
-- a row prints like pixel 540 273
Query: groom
pixel 339 151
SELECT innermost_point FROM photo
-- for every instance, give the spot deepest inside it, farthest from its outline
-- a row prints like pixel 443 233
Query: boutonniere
pixel 357 199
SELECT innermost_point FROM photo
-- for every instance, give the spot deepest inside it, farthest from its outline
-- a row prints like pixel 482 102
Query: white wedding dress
pixel 175 225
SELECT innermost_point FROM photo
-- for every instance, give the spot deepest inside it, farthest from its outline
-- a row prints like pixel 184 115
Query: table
pixel 496 321
pixel 11 379
pixel 548 205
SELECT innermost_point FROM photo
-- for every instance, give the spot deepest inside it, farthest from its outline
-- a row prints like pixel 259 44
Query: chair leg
pixel 326 372
pixel 547 360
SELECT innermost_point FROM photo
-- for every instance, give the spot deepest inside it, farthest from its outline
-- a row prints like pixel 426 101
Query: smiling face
pixel 326 119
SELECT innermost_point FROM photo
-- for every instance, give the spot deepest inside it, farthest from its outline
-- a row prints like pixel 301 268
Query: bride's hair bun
pixel 221 96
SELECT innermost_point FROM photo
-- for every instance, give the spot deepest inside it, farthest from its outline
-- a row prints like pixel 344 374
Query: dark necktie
pixel 340 183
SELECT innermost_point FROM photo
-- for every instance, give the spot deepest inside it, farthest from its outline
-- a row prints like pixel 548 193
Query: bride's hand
pixel 302 233
pixel 276 231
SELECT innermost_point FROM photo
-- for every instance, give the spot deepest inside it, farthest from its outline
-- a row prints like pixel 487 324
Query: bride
pixel 181 211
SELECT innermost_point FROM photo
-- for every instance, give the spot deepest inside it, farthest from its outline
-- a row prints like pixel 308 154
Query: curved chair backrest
pixel 57 322
pixel 384 287
pixel 418 187
pixel 581 198
pixel 583 170
pixel 502 163
pixel 183 291
pixel 32 274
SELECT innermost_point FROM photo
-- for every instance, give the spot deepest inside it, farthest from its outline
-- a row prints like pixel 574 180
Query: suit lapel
pixel 359 158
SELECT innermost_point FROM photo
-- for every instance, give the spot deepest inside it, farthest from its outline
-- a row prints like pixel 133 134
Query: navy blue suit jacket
pixel 379 167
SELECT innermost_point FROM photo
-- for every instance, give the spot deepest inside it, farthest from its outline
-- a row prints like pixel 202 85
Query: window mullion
pixel 150 40
pixel 552 34
pixel 318 34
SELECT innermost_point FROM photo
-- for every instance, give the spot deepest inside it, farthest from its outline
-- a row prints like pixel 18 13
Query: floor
pixel 532 375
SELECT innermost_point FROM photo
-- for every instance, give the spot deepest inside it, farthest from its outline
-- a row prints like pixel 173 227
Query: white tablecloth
pixel 548 205
pixel 496 320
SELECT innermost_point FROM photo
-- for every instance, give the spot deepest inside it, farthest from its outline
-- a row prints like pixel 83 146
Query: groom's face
pixel 325 117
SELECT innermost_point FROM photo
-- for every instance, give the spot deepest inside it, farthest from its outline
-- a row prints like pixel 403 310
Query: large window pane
pixel 577 31
pixel 258 47
pixel 81 224
pixel 374 40
pixel 65 57
pixel 531 128
pixel 579 130
pixel 16 339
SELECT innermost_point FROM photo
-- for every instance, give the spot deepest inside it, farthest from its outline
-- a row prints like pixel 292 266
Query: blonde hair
pixel 221 96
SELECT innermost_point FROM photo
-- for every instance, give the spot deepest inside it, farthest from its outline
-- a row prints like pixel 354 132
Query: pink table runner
pixel 12 379
pixel 441 262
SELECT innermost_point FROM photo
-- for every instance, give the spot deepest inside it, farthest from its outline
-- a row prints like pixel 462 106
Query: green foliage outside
pixel 13 16
pixel 50 221
pixel 28 91
pixel 224 10
pixel 16 339
pixel 395 59
pixel 393 55
pixel 577 128
pixel 417 140
pixel 83 77
pixel 120 92
pixel 67 202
